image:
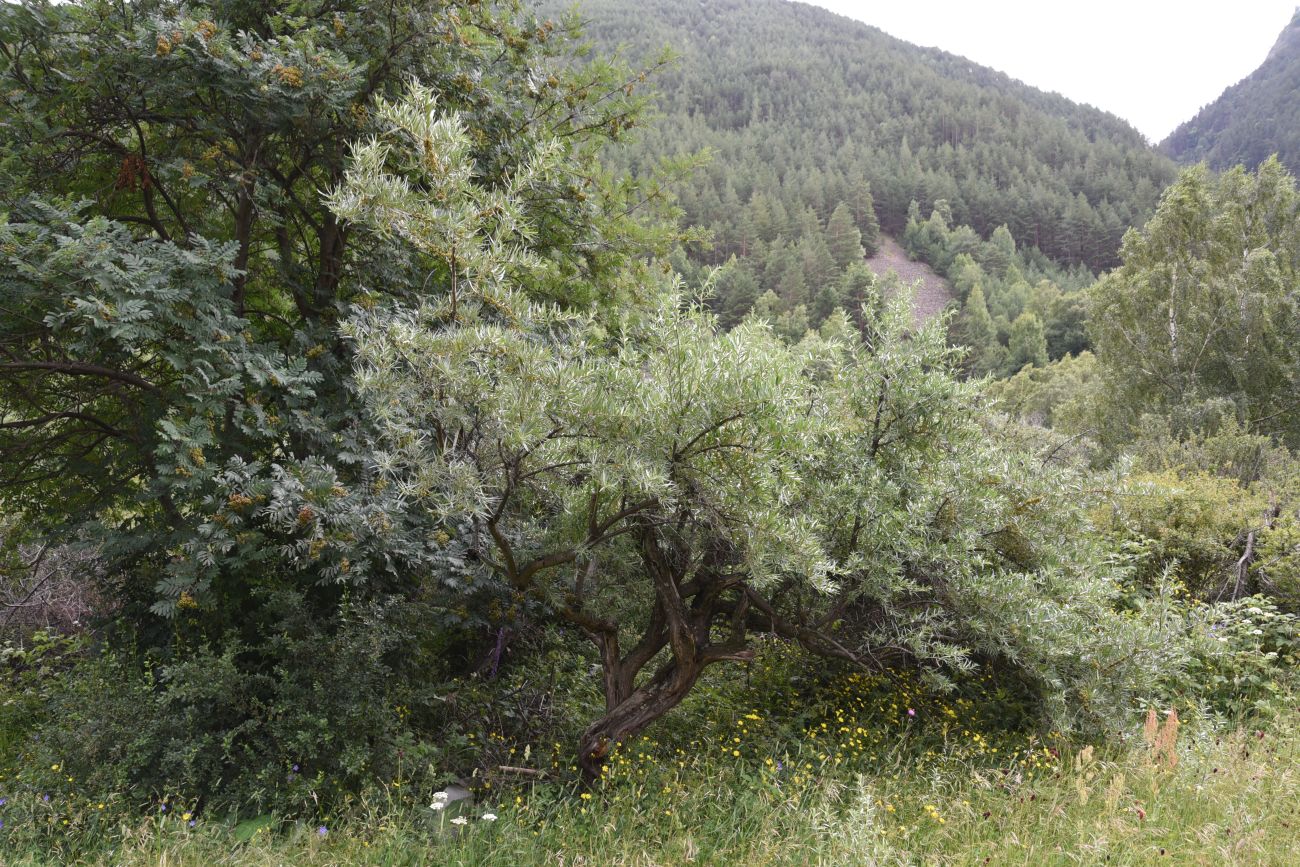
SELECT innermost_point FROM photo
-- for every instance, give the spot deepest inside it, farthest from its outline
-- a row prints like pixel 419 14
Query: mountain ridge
pixel 1252 119
pixel 777 89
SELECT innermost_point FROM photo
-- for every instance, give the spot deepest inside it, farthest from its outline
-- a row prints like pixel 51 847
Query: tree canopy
pixel 177 281
pixel 174 390
pixel 803 112
pixel 670 490
pixel 1201 317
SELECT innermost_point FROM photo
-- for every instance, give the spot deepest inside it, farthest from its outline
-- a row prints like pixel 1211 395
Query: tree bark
pixel 684 629
pixel 630 716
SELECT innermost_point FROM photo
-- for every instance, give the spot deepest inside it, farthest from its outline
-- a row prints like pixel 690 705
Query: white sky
pixel 1154 63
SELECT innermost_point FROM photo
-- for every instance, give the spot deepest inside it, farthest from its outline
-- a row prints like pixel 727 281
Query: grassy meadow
pixel 853 770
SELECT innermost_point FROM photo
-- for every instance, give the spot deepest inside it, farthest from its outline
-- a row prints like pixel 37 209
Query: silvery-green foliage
pixel 840 493
pixel 418 183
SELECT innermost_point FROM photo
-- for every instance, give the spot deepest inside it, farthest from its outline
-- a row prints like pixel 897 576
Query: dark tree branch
pixel 78 368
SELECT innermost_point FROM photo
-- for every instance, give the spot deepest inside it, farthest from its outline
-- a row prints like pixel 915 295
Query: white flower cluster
pixel 440 803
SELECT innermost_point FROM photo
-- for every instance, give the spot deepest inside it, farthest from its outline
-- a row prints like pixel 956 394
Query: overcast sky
pixel 1154 63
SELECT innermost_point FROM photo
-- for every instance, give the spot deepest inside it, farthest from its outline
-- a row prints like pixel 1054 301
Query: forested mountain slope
pixel 1258 116
pixel 805 109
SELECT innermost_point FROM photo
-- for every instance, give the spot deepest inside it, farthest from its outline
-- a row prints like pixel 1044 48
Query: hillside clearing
pixel 932 292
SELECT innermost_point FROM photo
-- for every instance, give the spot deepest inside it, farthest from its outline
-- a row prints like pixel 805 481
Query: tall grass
pixel 1232 797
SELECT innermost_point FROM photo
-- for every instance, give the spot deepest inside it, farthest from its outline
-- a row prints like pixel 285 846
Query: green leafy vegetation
pixel 1199 320
pixel 385 477
pixel 869 783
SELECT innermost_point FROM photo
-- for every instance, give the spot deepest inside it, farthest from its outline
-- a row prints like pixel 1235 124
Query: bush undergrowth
pixel 1233 798
pixel 783 763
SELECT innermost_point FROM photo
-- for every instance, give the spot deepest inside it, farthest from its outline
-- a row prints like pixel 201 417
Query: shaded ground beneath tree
pixel 932 294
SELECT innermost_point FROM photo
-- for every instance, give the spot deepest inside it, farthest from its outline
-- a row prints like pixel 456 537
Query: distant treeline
pixel 804 110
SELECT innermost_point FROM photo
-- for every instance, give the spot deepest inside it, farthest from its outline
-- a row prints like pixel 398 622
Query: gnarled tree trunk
pixel 630 716
pixel 688 599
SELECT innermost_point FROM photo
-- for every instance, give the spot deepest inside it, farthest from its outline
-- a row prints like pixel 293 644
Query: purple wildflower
pixel 322 830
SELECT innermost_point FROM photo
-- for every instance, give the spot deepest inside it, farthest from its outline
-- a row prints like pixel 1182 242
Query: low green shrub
pixel 30 672
pixel 1245 657
pixel 223 730
pixel 1186 525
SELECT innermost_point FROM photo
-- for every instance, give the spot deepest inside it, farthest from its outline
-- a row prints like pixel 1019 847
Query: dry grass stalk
pixel 1149 728
pixel 1166 741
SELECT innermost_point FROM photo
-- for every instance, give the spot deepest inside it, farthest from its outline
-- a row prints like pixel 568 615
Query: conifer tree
pixel 864 214
pixel 861 293
pixel 843 237
pixel 1000 251
pixel 736 289
pixel 826 300
pixel 793 324
pixel 816 264
pixel 985 353
pixel 1027 344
